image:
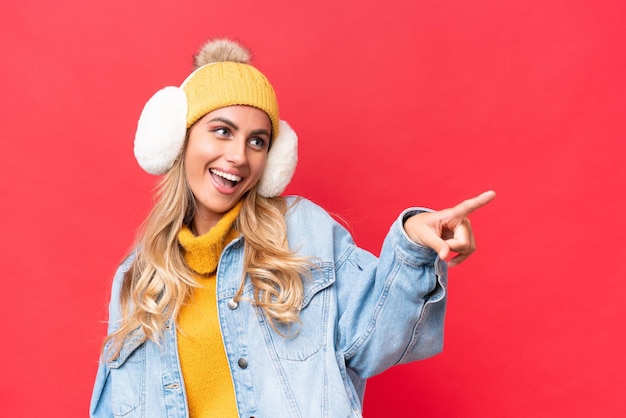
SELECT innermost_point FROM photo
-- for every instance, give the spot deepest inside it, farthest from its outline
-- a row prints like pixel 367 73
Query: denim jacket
pixel 361 315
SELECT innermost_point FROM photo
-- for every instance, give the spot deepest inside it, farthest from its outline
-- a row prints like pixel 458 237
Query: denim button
pixel 242 362
pixel 233 304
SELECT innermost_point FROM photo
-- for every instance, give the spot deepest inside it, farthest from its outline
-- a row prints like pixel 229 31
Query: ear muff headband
pixel 160 137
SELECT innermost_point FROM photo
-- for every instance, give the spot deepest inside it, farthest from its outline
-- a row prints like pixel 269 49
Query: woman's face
pixel 225 157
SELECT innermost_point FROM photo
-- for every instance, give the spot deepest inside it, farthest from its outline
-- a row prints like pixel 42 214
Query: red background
pixel 396 103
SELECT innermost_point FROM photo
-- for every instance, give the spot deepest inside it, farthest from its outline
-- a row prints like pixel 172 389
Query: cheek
pixel 188 167
pixel 197 154
pixel 258 165
pixel 194 170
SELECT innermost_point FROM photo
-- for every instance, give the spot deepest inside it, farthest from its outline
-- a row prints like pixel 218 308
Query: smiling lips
pixel 225 179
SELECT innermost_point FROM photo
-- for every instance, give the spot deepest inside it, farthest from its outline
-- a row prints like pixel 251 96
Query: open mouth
pixel 227 179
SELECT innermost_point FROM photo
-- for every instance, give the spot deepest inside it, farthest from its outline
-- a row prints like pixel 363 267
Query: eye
pixel 258 143
pixel 221 130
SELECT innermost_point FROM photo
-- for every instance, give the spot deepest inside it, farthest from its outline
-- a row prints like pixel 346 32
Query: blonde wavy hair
pixel 159 281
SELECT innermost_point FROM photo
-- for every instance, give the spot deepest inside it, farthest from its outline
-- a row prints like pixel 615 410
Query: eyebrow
pixel 226 121
pixel 235 127
pixel 261 132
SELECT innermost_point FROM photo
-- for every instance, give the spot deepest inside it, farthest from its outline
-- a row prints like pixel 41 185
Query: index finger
pixel 470 205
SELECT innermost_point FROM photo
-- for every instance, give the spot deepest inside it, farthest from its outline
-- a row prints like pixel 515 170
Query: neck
pixel 204 222
pixel 200 225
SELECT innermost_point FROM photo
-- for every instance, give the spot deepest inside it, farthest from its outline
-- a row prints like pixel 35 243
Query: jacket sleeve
pixel 100 405
pixel 391 308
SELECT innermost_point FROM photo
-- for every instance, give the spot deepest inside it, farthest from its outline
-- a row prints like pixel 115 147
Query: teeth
pixel 227 176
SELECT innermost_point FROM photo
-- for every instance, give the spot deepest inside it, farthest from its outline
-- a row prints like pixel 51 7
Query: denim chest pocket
pixel 301 341
pixel 127 374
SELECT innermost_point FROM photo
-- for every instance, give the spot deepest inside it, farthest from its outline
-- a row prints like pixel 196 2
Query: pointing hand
pixel 448 230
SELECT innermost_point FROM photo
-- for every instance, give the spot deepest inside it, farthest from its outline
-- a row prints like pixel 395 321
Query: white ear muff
pixel 161 130
pixel 281 162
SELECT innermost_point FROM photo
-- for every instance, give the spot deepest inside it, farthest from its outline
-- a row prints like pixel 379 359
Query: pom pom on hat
pixel 221 50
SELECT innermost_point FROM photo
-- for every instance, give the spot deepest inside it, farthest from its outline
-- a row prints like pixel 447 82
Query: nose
pixel 235 152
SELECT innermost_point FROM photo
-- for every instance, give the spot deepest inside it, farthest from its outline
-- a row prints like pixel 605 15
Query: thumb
pixel 443 251
pixel 439 245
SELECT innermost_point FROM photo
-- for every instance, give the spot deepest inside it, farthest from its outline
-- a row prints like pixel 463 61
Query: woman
pixel 239 302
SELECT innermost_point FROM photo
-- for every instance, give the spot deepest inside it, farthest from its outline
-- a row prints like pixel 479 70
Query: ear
pixel 281 162
pixel 161 130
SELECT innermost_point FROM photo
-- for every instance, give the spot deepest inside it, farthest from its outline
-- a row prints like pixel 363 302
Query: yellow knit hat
pixel 221 84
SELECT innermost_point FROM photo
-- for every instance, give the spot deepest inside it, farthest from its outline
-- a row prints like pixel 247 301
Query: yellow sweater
pixel 208 382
